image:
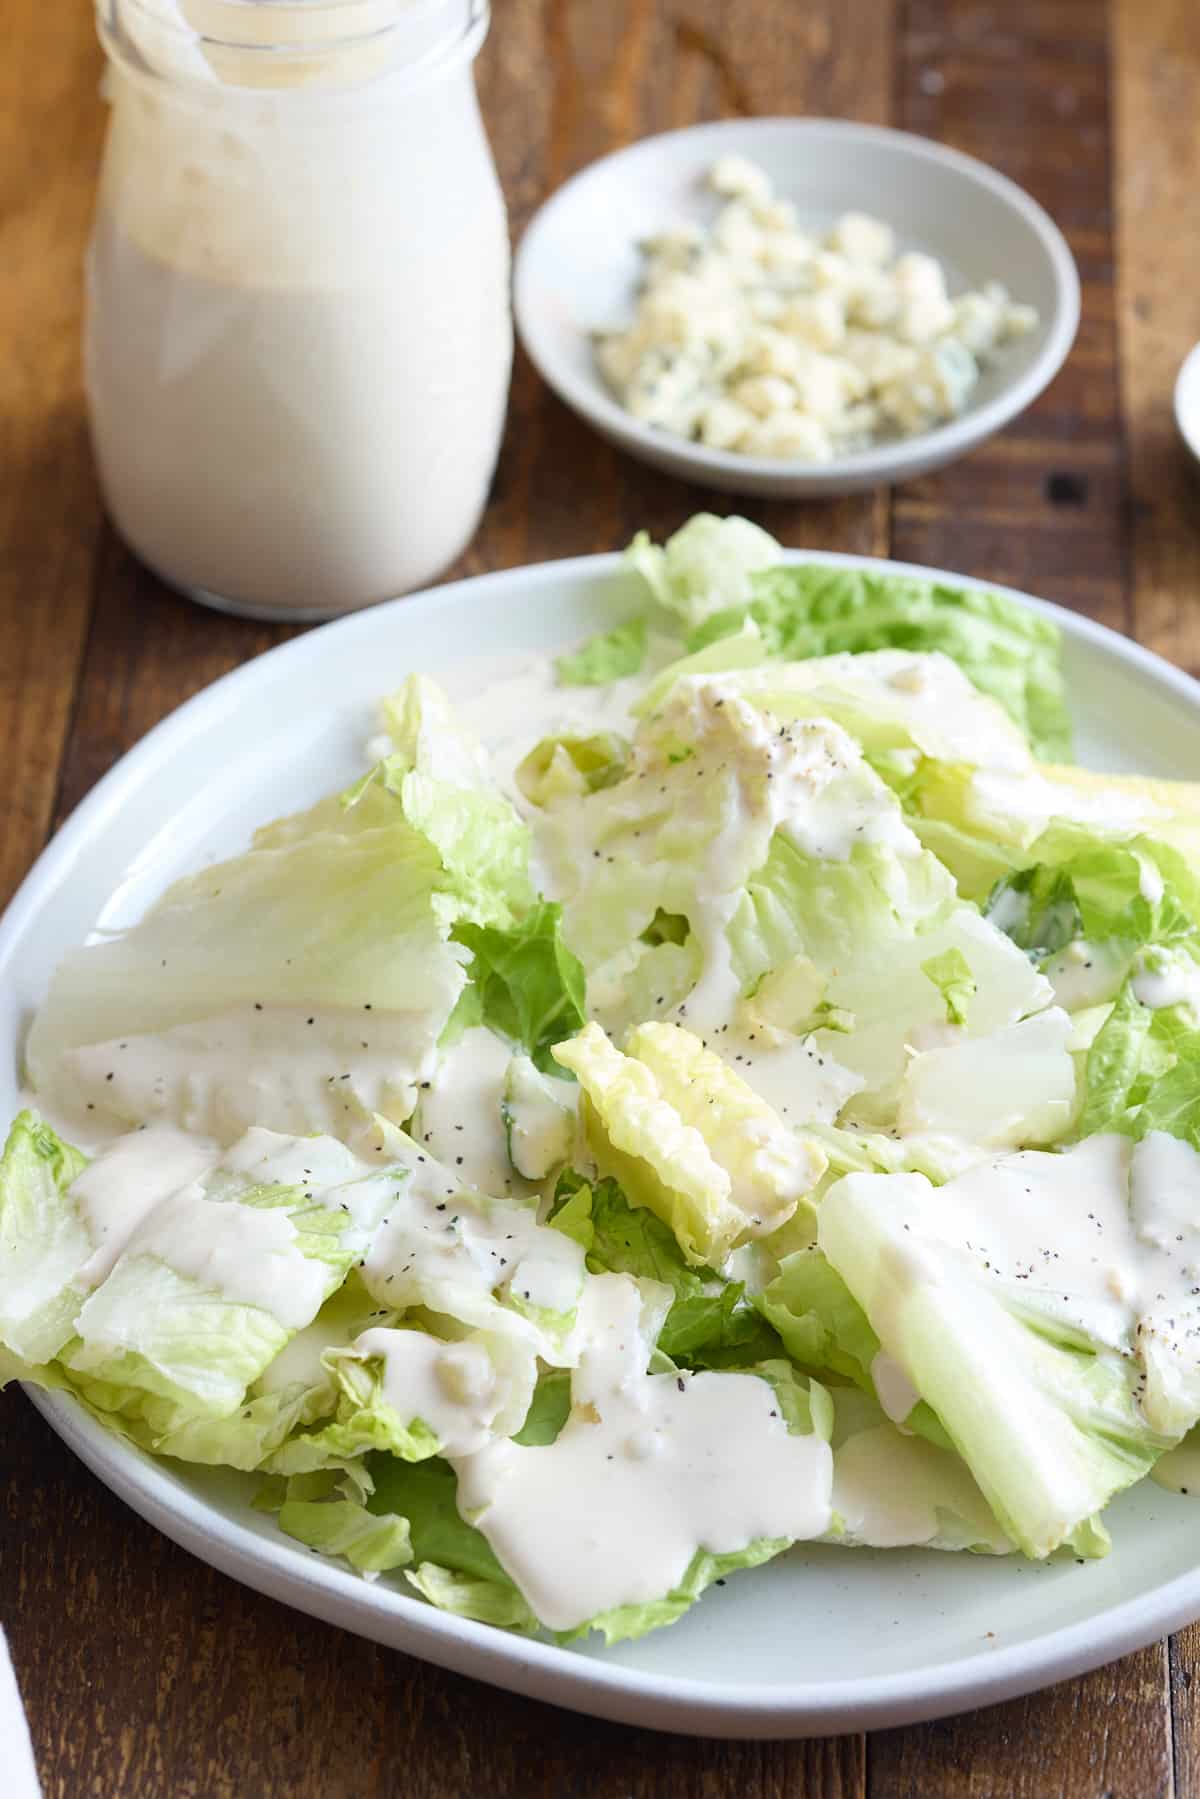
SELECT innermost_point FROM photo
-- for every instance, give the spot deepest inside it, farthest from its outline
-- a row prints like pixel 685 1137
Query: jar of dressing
pixel 298 337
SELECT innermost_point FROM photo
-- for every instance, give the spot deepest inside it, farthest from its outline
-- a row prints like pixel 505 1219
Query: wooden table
pixel 146 1673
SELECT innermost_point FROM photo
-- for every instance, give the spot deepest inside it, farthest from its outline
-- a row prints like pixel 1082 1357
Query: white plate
pixel 821 1640
pixel 1187 401
pixel 578 267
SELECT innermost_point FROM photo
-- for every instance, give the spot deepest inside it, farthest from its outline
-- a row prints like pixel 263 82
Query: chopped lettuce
pixel 559 769
pixel 951 975
pixel 685 1136
pixel 610 656
pixel 539 1115
pixel 891 1488
pixel 1058 1382
pixel 1142 1070
pixel 568 1503
pixel 44 1240
pixel 344 1527
pixel 456 1569
pixel 710 1322
pixel 526 983
pixel 240 995
pixel 705 568
pixel 896 704
pixel 1009 651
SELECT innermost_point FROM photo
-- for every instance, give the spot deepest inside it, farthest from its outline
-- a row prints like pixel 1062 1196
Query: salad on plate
pixel 756 1102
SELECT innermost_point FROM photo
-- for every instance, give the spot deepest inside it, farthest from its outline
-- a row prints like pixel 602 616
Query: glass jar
pixel 298 338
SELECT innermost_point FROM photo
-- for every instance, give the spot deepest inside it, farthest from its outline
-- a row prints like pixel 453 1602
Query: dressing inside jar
pixel 298 337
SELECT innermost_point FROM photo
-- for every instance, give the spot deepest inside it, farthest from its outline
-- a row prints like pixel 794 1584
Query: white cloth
pixel 16 1750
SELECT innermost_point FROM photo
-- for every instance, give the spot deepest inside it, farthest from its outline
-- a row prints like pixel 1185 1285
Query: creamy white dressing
pixel 512 702
pixel 802 1081
pixel 291 1068
pixel 893 1389
pixel 891 1489
pixel 459 1118
pixel 161 1193
pixel 1087 974
pixel 814 786
pixel 890 699
pixel 1178 1471
pixel 458 1252
pixel 249 1255
pixel 1167 980
pixel 268 1157
pixel 647 1471
pixel 541 1119
pixel 455 1389
pixel 126 1181
pixel 1103 1239
pixel 1017 1086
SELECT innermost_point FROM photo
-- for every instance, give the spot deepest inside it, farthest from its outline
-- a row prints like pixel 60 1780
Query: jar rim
pixel 184 62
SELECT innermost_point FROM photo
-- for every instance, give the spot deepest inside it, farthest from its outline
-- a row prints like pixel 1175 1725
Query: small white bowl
pixel 578 266
pixel 1187 401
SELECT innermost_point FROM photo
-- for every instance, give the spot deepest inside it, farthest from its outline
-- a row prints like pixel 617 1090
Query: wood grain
pixel 1106 1736
pixel 1157 93
pixel 1026 89
pixel 49 513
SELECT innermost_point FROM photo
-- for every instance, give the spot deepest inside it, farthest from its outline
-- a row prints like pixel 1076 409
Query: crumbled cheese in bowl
pixel 757 337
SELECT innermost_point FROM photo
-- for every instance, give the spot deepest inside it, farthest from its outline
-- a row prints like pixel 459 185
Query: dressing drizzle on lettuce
pixel 768 1115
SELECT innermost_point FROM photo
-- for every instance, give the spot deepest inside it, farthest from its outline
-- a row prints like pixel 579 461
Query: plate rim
pixel 880 463
pixel 297 1577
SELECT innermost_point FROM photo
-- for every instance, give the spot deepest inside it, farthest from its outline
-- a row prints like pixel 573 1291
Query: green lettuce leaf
pixel 456 1568
pixel 440 777
pixel 1055 1401
pixel 896 704
pixel 891 1487
pixel 1142 1071
pixel 371 1543
pixel 607 657
pixel 951 975
pixel 1008 650
pixel 560 769
pixel 710 1323
pixel 43 1240
pixel 705 568
pixel 625 1623
pixel 506 1490
pixel 529 985
pixel 688 1138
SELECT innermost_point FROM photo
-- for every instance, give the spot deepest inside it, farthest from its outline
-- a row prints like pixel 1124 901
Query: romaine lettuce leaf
pixel 685 1136
pixel 240 997
pixel 610 656
pixel 1007 650
pixel 891 1488
pixel 1053 1369
pixel 44 1240
pixel 560 769
pixel 705 568
pixel 528 985
pixel 374 1544
pixel 898 705
pixel 710 1322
